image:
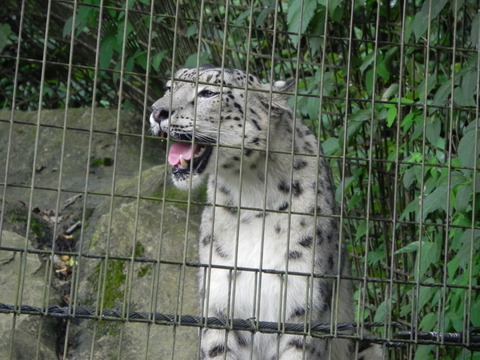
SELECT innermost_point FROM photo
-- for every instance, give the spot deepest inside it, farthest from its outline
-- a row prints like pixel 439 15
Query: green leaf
pixel 157 59
pixel 353 128
pixel 240 19
pixel 468 151
pixel 203 58
pixel 429 255
pixel 437 6
pixel 419 24
pixel 338 192
pixel 374 257
pixel 382 69
pixel 361 115
pixel 355 201
pixel 436 200
pixel 129 64
pixel 408 121
pixel 318 28
pixel 141 59
pixel 463 196
pixel 391 91
pixel 297 19
pixel 469 240
pixel 408 28
pixel 106 50
pixel 313 107
pixel 262 16
pixel 330 146
pixel 192 30
pixel 433 129
pixel 381 312
pixel 425 15
pixel 425 294
pixel 475 313
pixel 413 206
pixel 130 3
pixel 465 95
pixel 411 175
pixel 453 266
pixel 413 246
pixel 67 27
pixel 391 115
pixel 428 322
pixel 367 61
pixel 332 6
pixel 370 77
pixel 423 351
pixel 441 96
pixel 430 82
pixel 4 34
pixel 122 31
pixel 475 30
pixel 83 17
pixel 361 230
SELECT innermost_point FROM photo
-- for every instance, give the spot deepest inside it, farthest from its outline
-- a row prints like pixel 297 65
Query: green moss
pixel 173 193
pixel 202 194
pixel 114 281
pixel 176 193
pixel 139 249
pixel 101 162
pixel 143 270
pixel 36 228
pixel 17 218
pixel 110 328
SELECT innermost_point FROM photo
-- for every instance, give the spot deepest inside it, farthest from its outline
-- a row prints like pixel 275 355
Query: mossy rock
pixel 146 229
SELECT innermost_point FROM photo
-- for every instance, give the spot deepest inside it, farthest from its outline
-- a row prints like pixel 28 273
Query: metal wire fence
pixel 98 251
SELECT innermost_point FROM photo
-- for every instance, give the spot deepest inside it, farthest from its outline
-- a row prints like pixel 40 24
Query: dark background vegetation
pixel 390 88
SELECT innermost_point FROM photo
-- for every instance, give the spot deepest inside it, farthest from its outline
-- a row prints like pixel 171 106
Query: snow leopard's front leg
pixel 218 344
pixel 300 348
pixel 317 310
pixel 300 305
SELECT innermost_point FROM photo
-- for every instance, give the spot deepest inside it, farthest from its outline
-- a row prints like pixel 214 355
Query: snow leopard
pixel 269 233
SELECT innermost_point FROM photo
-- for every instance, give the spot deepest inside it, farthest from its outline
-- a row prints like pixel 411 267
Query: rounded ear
pixel 279 100
pixel 282 85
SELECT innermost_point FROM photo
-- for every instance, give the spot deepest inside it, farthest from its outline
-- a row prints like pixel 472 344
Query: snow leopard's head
pixel 212 111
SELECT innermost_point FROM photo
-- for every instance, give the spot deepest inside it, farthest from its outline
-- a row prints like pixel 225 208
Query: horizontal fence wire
pixel 400 338
pixel 198 265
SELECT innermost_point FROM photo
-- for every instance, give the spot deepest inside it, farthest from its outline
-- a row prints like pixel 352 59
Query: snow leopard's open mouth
pixel 186 157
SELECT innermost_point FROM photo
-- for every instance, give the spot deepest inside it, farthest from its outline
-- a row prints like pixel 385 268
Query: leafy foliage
pixel 391 88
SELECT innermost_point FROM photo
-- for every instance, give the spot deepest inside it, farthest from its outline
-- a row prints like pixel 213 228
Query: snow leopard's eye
pixel 206 93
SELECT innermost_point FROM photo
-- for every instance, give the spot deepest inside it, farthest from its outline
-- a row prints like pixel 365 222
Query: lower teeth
pixel 183 163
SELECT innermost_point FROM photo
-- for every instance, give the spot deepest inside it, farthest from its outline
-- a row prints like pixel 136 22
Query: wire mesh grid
pixel 98 251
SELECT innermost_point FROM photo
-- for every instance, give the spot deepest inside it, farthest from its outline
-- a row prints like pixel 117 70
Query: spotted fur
pixel 272 210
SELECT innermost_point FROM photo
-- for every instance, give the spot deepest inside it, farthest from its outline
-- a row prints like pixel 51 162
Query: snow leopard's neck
pixel 273 179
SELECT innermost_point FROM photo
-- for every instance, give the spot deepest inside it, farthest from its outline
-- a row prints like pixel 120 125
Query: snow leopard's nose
pixel 160 114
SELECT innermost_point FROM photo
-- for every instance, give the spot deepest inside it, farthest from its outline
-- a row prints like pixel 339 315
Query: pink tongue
pixel 178 149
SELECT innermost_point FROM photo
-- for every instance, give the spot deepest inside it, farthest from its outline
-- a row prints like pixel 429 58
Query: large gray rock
pixel 21 336
pixel 67 150
pixel 152 231
pixel 126 219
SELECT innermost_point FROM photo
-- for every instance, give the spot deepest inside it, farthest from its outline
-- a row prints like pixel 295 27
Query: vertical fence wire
pixel 391 281
pixel 441 307
pixel 7 163
pixel 139 183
